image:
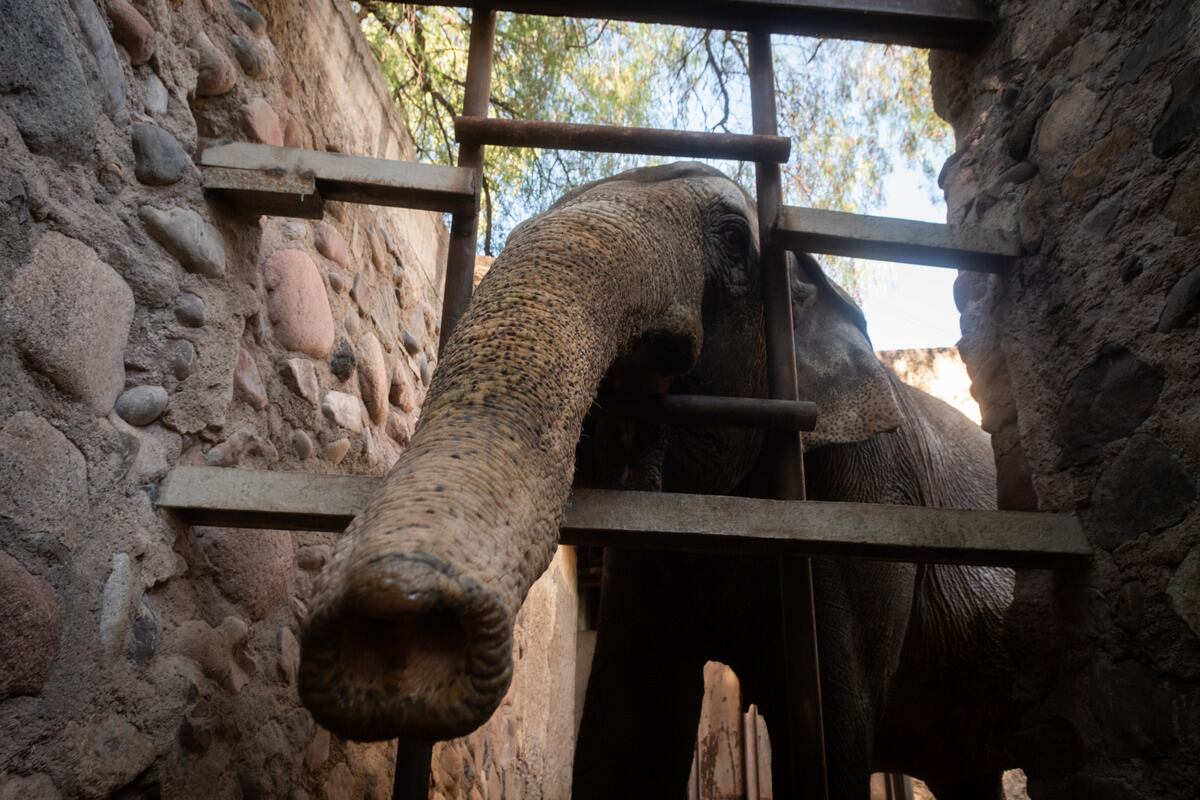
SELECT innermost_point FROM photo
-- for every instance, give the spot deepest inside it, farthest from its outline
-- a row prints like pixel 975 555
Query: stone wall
pixel 1077 125
pixel 141 327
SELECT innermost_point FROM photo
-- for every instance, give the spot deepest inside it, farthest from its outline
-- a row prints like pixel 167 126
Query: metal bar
pixel 886 239
pixel 806 728
pixel 730 412
pixel 941 24
pixel 411 778
pixel 899 787
pixel 695 523
pixel 254 192
pixel 614 139
pixel 464 227
pixel 352 179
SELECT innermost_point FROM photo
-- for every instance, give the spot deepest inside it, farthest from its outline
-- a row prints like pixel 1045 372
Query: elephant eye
pixel 734 234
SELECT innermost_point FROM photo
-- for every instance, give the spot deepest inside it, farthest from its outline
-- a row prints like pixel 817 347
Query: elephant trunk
pixel 411 622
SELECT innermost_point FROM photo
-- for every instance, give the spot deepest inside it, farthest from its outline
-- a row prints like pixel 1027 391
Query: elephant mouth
pixel 419 651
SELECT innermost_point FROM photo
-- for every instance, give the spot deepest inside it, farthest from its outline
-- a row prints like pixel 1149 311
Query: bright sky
pixel 906 305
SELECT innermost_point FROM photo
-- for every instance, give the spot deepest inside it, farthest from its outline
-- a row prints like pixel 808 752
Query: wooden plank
pixel 702 523
pixel 941 24
pixel 276 194
pixel 355 179
pixel 612 139
pixel 803 740
pixel 886 239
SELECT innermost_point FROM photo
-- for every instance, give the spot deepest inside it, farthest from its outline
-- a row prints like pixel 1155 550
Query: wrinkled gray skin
pixel 648 281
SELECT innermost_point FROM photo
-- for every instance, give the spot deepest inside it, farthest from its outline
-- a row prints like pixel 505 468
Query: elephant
pixel 648 281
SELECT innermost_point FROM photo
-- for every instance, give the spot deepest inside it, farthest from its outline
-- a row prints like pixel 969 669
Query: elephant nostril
pixel 410 652
pixel 410 649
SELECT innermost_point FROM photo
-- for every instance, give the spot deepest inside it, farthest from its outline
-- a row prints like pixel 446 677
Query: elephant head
pixel 836 366
pixel 410 628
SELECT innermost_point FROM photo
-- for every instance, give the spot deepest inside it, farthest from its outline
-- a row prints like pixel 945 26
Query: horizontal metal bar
pixel 353 179
pixel 940 24
pixel 615 139
pixel 886 239
pixel 702 523
pixel 272 193
pixel 728 412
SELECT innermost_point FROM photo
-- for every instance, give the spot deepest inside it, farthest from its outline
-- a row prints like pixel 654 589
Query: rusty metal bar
pixel 806 739
pixel 411 778
pixel 948 24
pixel 464 227
pixel 614 139
pixel 727 412
pixel 693 523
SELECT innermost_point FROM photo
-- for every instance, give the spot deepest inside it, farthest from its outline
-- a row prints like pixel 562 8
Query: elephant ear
pixel 835 362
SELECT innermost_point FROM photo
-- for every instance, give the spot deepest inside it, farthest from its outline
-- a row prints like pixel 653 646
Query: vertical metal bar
pixel 411 779
pixel 804 719
pixel 899 786
pixel 464 228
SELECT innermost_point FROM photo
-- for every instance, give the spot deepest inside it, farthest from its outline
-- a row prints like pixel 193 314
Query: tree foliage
pixel 847 106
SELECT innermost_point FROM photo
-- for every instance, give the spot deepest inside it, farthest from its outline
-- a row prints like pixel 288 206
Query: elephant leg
pixel 979 787
pixel 847 741
pixel 646 687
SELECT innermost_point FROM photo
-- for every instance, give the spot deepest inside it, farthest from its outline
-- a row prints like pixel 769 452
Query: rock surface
pixel 297 304
pixel 1183 301
pixel 249 15
pixel 159 158
pixel 189 310
pixel 262 123
pixel 344 409
pixel 247 382
pixel 252 568
pixel 329 243
pixel 69 315
pixel 248 56
pixel 373 381
pixel 29 629
pixel 215 73
pixel 45 91
pixel 336 450
pixel 132 31
pixel 116 619
pixel 342 361
pixel 301 377
pixel 1108 400
pixel 141 405
pixel 46 477
pixel 108 754
pixel 184 233
pixel 1145 490
pixel 1180 122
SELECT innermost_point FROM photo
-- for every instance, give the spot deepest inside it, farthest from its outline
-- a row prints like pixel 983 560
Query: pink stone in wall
pixel 297 304
pixel 262 123
pixel 247 382
pixel 293 136
pixel 68 313
pixel 288 82
pixel 132 31
pixel 373 379
pixel 215 71
pixel 30 628
pixel 330 244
